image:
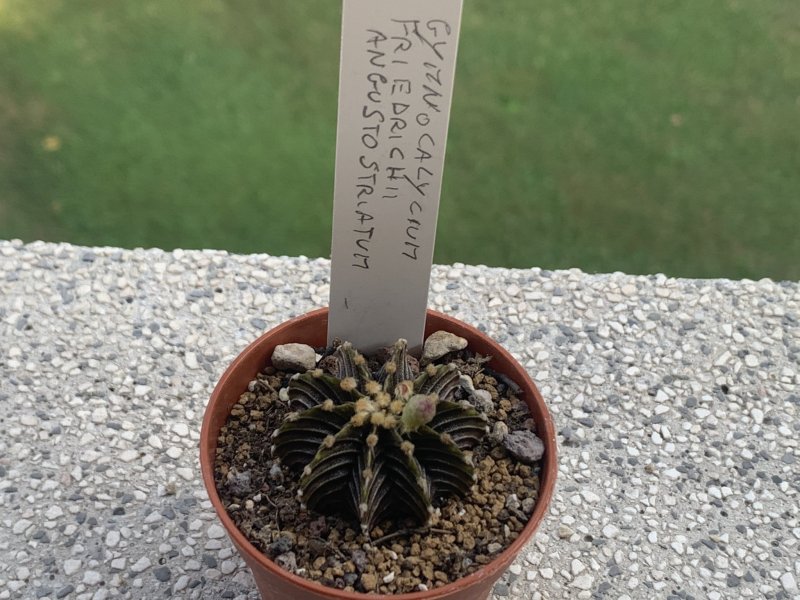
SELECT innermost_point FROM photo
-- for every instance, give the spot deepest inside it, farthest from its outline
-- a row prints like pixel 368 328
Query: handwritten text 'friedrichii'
pixel 404 95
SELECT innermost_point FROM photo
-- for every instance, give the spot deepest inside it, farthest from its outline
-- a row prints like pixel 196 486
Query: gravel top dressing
pixel 677 404
pixel 397 557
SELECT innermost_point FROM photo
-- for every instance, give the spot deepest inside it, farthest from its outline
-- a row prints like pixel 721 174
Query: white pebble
pixel 190 358
pixel 577 566
pixel 141 565
pixel 54 512
pixel 99 415
pixel 227 567
pixel 215 532
pixel 20 526
pixel 788 582
pixel 584 582
pixel 128 455
pixel 182 583
pixel 112 539
pixel 91 577
pixel 71 566
pixel 610 531
pixel 722 359
pixel 590 496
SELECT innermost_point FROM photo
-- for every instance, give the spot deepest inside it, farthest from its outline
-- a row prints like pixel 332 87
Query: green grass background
pixel 658 136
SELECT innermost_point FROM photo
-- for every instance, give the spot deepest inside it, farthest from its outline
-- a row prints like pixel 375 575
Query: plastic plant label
pixel 395 88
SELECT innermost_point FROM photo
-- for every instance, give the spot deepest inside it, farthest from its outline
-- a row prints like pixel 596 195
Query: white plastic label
pixel 395 88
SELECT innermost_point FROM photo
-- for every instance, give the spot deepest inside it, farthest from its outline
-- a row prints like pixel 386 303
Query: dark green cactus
pixel 380 446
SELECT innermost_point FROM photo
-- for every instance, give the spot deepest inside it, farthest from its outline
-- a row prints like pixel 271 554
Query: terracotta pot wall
pixel 277 584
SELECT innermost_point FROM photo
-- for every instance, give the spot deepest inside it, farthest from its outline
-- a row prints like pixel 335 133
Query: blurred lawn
pixel 658 136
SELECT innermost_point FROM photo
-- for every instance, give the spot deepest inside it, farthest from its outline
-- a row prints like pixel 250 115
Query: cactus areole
pixel 375 446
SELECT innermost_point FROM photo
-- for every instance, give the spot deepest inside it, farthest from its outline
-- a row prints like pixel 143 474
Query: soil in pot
pixel 399 557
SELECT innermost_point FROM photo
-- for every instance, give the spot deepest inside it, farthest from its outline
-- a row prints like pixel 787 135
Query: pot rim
pixel 547 478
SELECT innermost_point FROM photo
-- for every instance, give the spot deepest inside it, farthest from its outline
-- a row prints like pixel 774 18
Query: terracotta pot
pixel 275 583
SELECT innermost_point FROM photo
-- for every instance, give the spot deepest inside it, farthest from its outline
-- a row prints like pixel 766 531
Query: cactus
pixel 376 447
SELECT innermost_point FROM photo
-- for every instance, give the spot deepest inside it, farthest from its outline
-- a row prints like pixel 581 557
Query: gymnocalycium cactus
pixel 378 446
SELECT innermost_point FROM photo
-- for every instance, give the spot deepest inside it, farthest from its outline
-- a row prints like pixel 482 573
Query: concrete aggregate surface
pixel 677 404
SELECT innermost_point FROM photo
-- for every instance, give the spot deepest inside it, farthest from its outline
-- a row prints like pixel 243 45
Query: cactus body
pixel 382 446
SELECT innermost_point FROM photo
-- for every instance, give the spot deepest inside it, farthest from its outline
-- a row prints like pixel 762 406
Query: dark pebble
pixel 359 558
pixel 280 546
pixel 566 330
pixel 501 589
pixel 524 446
pixel 319 527
pixel 210 561
pixel 185 504
pixel 239 484
pixel 64 591
pixel 162 573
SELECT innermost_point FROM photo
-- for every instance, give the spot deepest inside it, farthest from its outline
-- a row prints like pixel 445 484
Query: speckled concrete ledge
pixel 677 404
